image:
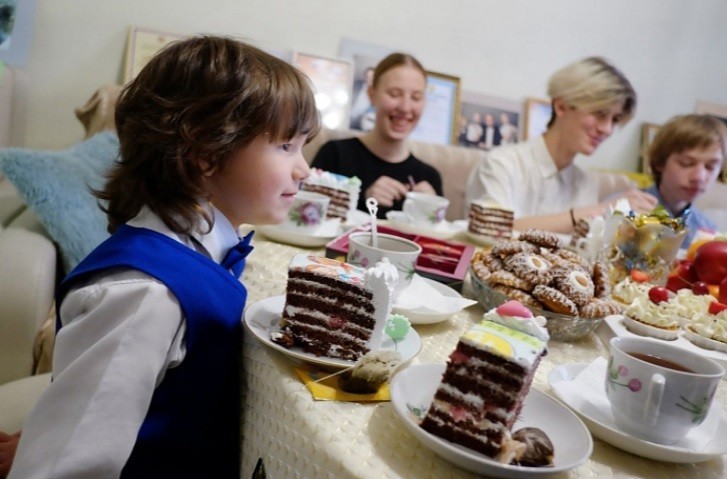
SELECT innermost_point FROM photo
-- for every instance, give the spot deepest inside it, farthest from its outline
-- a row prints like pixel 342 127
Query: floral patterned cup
pixel 659 392
pixel 402 253
pixel 307 213
pixel 423 209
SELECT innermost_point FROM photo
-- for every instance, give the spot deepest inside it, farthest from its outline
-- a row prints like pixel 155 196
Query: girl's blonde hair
pixel 682 133
pixel 592 84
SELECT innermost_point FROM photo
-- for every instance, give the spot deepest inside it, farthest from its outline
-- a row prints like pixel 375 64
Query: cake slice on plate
pixel 486 380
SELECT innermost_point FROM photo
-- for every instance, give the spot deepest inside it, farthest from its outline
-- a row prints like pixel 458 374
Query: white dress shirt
pixel 122 330
pixel 524 177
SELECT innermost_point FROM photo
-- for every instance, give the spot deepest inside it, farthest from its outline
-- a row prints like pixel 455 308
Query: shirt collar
pixel 546 164
pixel 215 243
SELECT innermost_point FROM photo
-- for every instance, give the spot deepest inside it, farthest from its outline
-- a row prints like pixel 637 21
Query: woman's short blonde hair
pixel 592 84
pixel 683 133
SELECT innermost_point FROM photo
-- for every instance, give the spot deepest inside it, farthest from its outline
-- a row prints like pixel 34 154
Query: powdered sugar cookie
pixel 576 285
pixel 507 278
pixel 507 248
pixel 533 268
pixel 517 294
pixel 601 280
pixel 540 238
pixel 598 308
pixel 554 300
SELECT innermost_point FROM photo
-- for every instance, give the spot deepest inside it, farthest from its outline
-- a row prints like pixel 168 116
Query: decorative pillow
pixel 57 186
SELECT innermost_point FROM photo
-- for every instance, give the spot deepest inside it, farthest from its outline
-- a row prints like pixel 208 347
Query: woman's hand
pixel 424 187
pixel 8 445
pixel 386 190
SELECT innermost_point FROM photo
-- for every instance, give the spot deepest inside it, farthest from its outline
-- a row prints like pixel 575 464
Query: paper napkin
pixel 421 295
pixel 328 390
pixel 586 393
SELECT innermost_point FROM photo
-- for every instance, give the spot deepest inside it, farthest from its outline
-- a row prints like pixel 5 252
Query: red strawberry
pixel 715 307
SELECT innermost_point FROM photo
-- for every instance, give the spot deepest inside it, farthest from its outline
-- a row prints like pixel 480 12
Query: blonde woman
pixel 538 179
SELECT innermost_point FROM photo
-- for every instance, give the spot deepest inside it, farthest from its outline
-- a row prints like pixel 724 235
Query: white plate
pixel 262 317
pixel 296 238
pixel 602 426
pixel 614 326
pixel 356 218
pixel 445 230
pixel 423 315
pixel 482 240
pixel 412 390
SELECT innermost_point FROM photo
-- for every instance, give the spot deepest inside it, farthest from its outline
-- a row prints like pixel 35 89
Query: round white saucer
pixel 262 317
pixel 298 238
pixel 412 390
pixel 602 426
pixel 445 229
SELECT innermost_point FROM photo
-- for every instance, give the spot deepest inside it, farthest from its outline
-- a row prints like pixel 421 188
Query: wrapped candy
pixel 645 242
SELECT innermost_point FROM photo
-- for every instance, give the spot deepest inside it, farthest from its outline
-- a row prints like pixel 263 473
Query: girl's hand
pixel 424 187
pixel 386 190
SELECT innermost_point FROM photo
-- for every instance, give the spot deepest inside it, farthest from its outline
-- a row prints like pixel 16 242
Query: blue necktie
pixel 235 258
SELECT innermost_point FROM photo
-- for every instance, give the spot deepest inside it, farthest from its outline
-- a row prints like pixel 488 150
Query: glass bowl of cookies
pixel 572 293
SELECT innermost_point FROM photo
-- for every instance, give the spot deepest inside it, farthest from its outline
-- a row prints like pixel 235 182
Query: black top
pixel 350 157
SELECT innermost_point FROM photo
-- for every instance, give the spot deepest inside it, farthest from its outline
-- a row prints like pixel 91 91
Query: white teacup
pixel 402 253
pixel 307 213
pixel 659 392
pixel 424 209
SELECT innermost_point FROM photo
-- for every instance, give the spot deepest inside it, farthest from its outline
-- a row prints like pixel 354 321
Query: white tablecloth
pixel 298 437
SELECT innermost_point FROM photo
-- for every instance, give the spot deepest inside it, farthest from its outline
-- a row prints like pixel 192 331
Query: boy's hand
pixel 8 445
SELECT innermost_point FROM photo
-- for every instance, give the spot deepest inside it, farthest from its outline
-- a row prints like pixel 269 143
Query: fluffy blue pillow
pixel 56 186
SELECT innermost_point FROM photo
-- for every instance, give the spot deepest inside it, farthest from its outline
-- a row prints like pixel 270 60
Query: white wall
pixel 672 50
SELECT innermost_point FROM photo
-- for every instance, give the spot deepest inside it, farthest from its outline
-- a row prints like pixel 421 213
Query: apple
pixel 722 295
pixel 710 261
pixel 657 294
pixel 686 270
pixel 675 283
pixel 700 288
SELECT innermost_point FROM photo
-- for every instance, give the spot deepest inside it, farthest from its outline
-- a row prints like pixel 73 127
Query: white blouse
pixel 121 331
pixel 524 178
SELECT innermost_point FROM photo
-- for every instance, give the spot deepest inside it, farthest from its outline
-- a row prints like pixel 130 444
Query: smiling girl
pixel 381 158
pixel 538 179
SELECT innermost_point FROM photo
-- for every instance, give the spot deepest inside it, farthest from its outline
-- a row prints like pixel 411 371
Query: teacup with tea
pixel 658 391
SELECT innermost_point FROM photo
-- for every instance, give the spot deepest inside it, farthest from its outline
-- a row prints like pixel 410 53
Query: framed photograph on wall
pixel 537 115
pixel 438 123
pixel 332 79
pixel 648 132
pixel 16 30
pixel 141 45
pixel 485 121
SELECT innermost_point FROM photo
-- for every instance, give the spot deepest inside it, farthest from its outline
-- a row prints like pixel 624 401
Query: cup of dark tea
pixel 658 391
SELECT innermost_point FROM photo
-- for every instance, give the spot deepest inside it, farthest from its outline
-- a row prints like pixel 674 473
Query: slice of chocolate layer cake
pixel 489 219
pixel 486 380
pixel 342 190
pixel 336 309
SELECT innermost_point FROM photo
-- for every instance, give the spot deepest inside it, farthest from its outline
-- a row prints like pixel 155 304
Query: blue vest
pixel 192 427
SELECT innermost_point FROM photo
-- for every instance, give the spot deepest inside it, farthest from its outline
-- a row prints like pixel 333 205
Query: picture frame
pixel 537 115
pixel 16 31
pixel 141 45
pixel 648 132
pixel 438 123
pixel 477 109
pixel 332 79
